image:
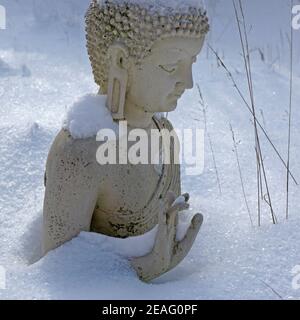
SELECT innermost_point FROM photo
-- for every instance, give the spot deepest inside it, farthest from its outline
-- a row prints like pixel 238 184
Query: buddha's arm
pixel 71 192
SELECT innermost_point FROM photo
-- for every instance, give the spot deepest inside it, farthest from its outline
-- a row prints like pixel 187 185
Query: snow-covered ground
pixel 44 68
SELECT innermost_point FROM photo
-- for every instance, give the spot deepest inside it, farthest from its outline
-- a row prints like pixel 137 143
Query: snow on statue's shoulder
pixel 87 116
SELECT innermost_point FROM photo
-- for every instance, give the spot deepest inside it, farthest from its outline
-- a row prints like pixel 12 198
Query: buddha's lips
pixel 176 95
pixel 178 92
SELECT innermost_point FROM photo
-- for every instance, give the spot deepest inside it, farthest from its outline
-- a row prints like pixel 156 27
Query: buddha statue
pixel 141 56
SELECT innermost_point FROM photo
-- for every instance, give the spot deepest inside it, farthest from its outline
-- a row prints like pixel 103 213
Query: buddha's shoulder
pixel 70 157
pixel 67 149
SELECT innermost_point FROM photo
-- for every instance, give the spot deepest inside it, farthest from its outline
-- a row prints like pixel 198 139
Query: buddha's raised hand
pixel 167 252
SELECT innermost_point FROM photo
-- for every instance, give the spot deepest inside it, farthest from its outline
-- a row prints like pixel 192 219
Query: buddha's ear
pixel 118 55
pixel 117 80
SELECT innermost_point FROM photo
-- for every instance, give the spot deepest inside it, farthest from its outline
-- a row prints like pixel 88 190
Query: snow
pixel 230 259
pixel 179 200
pixel 87 116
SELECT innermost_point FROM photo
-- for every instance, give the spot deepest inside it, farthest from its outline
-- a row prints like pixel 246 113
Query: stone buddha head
pixel 142 54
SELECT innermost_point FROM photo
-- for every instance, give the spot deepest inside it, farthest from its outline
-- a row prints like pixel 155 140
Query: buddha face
pixel 164 75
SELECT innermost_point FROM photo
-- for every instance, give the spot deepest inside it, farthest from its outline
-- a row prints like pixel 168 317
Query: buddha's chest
pixel 128 187
pixel 130 200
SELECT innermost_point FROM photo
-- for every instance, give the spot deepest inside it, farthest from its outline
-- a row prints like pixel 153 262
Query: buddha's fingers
pixel 162 216
pixel 180 206
pixel 186 197
pixel 162 231
pixel 171 197
pixel 172 220
pixel 184 246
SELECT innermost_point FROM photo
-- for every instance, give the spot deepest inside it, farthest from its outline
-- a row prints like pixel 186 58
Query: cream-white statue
pixel 142 60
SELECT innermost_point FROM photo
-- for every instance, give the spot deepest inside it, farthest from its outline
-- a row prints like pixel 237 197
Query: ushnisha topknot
pixel 137 27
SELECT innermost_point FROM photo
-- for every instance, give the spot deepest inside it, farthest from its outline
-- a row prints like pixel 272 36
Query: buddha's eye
pixel 168 68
